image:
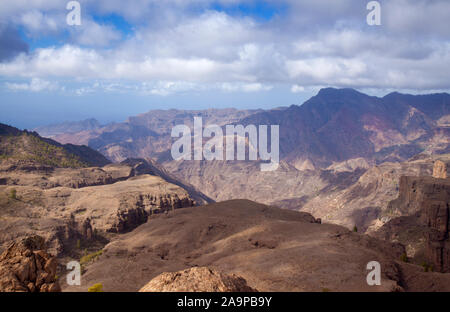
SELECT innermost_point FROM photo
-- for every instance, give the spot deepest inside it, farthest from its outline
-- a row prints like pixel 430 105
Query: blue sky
pixel 129 57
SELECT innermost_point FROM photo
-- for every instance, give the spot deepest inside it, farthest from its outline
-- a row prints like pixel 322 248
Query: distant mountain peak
pixel 339 92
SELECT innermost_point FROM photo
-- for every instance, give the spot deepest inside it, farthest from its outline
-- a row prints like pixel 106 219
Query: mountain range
pixel 361 178
pixel 334 126
pixel 337 142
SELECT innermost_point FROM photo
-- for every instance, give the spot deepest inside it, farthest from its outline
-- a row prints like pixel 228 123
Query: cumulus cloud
pixel 187 46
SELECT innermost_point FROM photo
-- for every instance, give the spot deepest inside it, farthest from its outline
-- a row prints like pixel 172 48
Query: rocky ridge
pixel 66 205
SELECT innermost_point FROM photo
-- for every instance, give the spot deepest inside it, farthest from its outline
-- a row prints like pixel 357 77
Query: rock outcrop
pixel 27 267
pixel 440 170
pixel 437 216
pixel 135 211
pixel 429 199
pixel 197 279
pixel 415 192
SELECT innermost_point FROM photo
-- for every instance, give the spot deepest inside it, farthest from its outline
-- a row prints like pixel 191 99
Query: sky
pixel 128 57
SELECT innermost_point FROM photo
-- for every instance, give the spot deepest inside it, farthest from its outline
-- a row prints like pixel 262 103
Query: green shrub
pixel 96 288
pixel 13 194
pixel 404 257
pixel 355 229
pixel 88 258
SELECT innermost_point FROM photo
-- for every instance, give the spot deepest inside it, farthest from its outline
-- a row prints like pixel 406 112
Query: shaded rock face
pixel 70 232
pixel 410 232
pixel 136 210
pixel 74 229
pixel 429 199
pixel 414 192
pixel 129 219
pixel 198 279
pixel 27 267
pixel 440 170
pixel 438 242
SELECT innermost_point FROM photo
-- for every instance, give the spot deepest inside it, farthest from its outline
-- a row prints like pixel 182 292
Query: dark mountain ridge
pixel 341 124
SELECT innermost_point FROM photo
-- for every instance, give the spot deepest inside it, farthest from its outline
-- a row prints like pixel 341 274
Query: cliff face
pixel 414 192
pixel 438 240
pixel 428 198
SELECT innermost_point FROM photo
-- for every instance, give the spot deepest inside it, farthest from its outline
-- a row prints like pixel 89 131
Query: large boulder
pixel 26 266
pixel 197 279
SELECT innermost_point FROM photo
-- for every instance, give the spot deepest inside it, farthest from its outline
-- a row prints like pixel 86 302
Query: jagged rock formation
pixel 196 279
pixel 27 267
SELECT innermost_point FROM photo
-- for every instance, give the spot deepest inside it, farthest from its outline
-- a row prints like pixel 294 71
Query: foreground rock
pixel 27 267
pixel 197 280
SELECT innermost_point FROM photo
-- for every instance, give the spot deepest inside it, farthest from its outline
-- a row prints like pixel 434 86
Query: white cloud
pixel 35 85
pixel 36 21
pixel 93 34
pixel 317 43
pixel 297 89
pixel 244 87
